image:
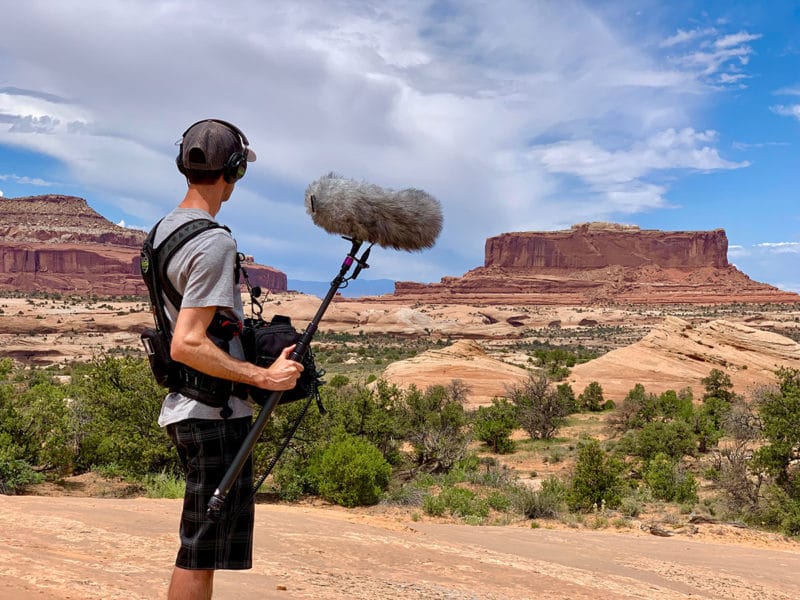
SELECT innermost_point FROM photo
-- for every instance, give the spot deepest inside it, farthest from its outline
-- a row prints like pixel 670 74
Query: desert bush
pixel 350 471
pixel 591 399
pixel 36 417
pixel 675 439
pixel 718 385
pixel 540 410
pixel 458 502
pixel 779 411
pixel 117 403
pixel 596 478
pixel 164 485
pixel 14 472
pixel 669 481
pixel 494 425
pixel 545 503
pixel 436 425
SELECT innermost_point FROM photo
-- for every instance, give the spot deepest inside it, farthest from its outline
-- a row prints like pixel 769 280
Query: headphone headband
pixel 230 126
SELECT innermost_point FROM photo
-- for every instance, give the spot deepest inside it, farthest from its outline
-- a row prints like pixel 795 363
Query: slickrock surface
pixel 466 361
pixel 63 548
pixel 678 354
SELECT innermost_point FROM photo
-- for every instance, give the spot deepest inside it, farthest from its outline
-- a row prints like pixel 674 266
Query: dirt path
pixel 86 548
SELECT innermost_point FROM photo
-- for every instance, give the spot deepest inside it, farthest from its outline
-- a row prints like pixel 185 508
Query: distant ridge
pixel 59 244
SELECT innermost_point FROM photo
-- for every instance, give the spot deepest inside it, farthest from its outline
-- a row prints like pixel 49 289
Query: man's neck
pixel 204 197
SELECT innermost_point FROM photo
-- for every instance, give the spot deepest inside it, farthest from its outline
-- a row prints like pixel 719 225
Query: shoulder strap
pixel 174 242
pixel 154 262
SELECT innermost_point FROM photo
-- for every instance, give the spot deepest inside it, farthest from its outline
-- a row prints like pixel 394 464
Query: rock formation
pixel 57 243
pixel 601 263
pixel 678 354
pixel 465 360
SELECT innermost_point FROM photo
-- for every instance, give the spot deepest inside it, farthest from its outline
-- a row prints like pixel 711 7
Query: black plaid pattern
pixel 206 449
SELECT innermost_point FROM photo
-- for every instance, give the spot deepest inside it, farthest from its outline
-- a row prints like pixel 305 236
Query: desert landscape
pixel 77 540
pixel 661 309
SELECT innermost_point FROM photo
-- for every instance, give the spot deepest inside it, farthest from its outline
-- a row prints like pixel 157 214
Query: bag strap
pixel 155 260
pixel 174 242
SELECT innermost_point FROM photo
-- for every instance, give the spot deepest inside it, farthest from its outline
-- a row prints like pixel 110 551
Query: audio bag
pixel 264 341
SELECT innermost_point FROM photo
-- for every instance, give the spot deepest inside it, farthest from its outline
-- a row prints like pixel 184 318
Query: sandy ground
pixel 94 548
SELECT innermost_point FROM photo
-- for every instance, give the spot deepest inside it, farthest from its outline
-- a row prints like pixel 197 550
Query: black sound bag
pixel 263 343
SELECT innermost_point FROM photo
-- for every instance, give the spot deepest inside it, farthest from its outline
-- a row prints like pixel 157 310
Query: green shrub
pixel 591 399
pixel 461 502
pixel 544 503
pixel 540 409
pixel 596 480
pixel 494 425
pixel 434 506
pixel 164 485
pixel 668 481
pixel 350 471
pixel 498 500
pixel 675 439
pixel 435 423
pixel 116 404
pixel 15 474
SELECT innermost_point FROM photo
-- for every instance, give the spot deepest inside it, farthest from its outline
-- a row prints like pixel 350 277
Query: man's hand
pixel 192 347
pixel 281 375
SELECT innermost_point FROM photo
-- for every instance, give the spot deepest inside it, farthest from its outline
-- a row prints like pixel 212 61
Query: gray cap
pixel 207 145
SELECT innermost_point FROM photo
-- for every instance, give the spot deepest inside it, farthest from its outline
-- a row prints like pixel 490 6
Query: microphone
pixel 407 219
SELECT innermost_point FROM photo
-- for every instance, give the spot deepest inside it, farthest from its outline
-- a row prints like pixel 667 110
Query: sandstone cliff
pixel 601 263
pixel 57 243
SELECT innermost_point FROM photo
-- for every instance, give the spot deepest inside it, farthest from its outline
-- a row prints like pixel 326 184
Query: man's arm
pixel 192 347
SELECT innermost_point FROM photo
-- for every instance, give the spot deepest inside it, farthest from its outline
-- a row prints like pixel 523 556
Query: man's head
pixel 211 148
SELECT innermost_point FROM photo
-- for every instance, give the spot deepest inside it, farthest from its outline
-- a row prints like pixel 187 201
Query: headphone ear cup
pixel 231 170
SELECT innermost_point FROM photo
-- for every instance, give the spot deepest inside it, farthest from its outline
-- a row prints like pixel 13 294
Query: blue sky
pixel 515 115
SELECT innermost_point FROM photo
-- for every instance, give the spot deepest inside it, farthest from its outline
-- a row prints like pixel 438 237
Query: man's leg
pixel 191 584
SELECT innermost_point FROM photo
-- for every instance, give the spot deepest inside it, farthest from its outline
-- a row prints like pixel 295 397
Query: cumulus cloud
pixel 619 175
pixel 500 105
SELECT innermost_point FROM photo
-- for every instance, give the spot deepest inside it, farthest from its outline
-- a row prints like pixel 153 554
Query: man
pixel 213 156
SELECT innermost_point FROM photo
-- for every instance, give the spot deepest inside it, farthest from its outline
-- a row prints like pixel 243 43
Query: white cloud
pixel 715 58
pixel 791 110
pixel 619 175
pixel 781 247
pixel 788 91
pixel 23 180
pixel 735 39
pixel 1 193
pixel 772 262
pixel 506 104
pixel 683 36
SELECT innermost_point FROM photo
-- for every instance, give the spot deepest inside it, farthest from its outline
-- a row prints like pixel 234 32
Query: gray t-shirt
pixel 202 271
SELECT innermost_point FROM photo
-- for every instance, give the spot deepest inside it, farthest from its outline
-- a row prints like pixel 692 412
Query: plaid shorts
pixel 206 449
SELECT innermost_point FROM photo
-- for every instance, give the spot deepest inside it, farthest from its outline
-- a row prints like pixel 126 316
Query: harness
pixel 178 377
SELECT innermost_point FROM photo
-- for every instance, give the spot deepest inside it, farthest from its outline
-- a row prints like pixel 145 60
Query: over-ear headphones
pixel 236 164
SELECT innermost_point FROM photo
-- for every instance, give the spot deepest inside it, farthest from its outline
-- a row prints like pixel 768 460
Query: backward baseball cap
pixel 208 144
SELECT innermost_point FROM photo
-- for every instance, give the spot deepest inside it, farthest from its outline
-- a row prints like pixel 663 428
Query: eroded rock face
pixel 596 246
pixel 601 263
pixel 58 243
